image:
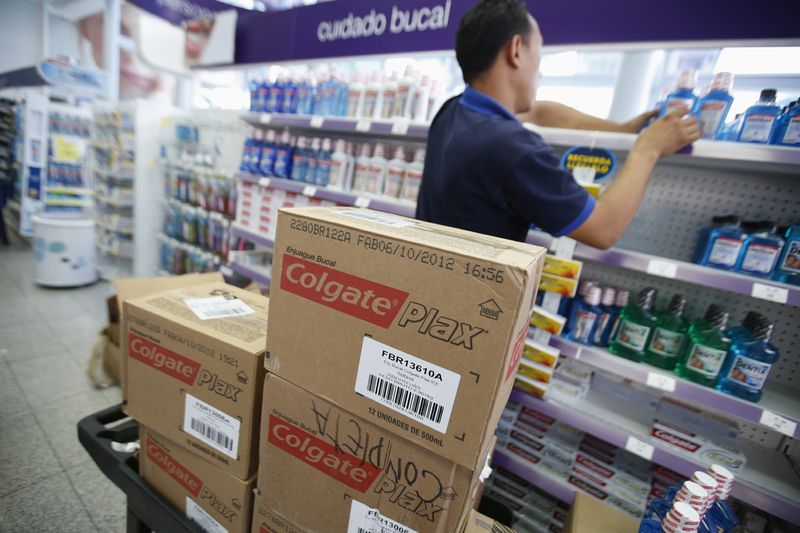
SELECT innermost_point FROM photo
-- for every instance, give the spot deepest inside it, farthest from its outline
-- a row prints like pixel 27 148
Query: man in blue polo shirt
pixel 485 172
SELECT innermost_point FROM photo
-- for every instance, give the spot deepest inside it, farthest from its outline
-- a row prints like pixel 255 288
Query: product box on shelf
pixel 547 321
pixel 423 324
pixel 352 471
pixel 525 517
pixel 195 369
pixel 213 498
pixel 699 447
pixel 540 353
pixel 713 426
pixel 625 483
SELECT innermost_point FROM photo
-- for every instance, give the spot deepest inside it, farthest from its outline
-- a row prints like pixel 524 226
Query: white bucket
pixel 64 250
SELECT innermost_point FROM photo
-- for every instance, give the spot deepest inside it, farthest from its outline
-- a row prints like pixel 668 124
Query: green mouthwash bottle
pixel 669 338
pixel 708 348
pixel 636 323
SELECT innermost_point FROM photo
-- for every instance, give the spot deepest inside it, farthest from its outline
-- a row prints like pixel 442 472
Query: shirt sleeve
pixel 539 190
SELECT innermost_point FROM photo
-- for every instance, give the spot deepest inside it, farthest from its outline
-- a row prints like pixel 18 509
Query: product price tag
pixel 660 381
pixel 66 150
pixel 665 269
pixel 207 423
pixel 407 384
pixel 400 128
pixel 206 522
pixel 317 121
pixel 770 293
pixel 778 423
pixel 218 307
pixel 364 519
pixel 637 447
pixel 264 182
pixel 265 118
pixel 310 191
pixel 362 201
pixel 363 125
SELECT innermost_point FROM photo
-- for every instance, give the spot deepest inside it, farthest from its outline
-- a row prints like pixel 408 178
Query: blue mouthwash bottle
pixel 276 96
pixel 300 160
pixel 719 246
pixel 283 156
pixel 254 102
pixel 303 98
pixel 682 93
pixel 247 152
pixel 586 313
pixel 324 164
pixel 730 130
pixel 268 151
pixel 747 367
pixel 313 161
pixel 608 313
pixel 744 331
pixel 621 302
pixel 571 305
pixel 760 250
pixel 759 119
pixel 788 268
pixel 787 129
pixel 263 96
pixel 289 97
pixel 255 152
pixel 712 109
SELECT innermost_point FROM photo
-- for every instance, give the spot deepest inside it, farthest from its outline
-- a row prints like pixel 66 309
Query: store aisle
pixel 49 483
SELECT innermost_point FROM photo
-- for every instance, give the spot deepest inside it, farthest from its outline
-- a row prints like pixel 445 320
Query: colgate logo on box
pixel 593 466
pixel 312 450
pixel 177 471
pixel 675 440
pixel 364 299
pixel 586 487
pixel 158 357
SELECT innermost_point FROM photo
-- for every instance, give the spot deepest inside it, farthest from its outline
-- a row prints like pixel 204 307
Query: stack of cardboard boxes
pixel 392 348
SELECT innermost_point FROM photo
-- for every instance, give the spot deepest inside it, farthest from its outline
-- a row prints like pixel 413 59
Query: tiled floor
pixel 47 480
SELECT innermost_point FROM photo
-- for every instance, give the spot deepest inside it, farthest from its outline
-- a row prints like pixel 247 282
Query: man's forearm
pixel 554 115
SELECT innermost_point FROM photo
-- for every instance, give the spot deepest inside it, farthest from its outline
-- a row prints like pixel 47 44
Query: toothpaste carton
pixel 547 321
pixel 540 353
pixel 535 388
pixel 697 446
pixel 634 509
pixel 535 371
pixel 713 426
pixel 616 480
pixel 563 286
pixel 565 268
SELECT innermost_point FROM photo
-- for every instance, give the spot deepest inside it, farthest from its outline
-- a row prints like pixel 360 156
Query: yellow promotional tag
pixel 66 151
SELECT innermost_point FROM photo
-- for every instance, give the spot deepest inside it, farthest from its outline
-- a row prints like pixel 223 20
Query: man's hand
pixel 636 124
pixel 668 134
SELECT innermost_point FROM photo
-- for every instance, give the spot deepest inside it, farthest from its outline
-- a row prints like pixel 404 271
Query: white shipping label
pixel 770 293
pixel 778 423
pixel 365 519
pixel 637 447
pixel 660 381
pixel 665 269
pixel 407 384
pixel 203 519
pixel 211 426
pixel 218 307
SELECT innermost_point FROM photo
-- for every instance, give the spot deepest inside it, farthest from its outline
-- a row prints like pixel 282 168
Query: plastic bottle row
pixel 755 248
pixel 179 258
pixel 211 193
pixel 410 97
pixel 65 175
pixel 66 124
pixel 325 163
pixel 735 360
pixel 192 225
pixel 765 122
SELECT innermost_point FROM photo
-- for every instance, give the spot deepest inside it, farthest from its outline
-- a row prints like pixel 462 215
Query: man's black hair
pixel 485 29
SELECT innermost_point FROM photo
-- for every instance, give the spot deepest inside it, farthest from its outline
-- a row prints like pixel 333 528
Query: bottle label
pixel 760 258
pixel 725 251
pixel 705 360
pixel 676 102
pixel 602 323
pixel 710 116
pixel 632 335
pixel 791 263
pixel 667 343
pixel 792 134
pixel 584 320
pixel 749 373
pixel 336 178
pixel 394 180
pixel 757 128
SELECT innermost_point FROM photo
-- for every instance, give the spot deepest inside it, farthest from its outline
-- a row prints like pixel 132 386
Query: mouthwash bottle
pixel 682 93
pixel 669 338
pixel 787 129
pixel 708 348
pixel 253 88
pixel 284 152
pixel 570 304
pixel 636 323
pixel 744 331
pixel 759 119
pixel 586 313
pixel 268 150
pixel 761 249
pixel 608 314
pixel 300 160
pixel 712 109
pixel 746 370
pixel 264 90
pixel 324 164
pixel 313 155
pixel 788 267
pixel 720 245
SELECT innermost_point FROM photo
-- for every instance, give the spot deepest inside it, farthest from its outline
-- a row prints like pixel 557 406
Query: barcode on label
pixel 218 313
pixel 211 433
pixel 405 399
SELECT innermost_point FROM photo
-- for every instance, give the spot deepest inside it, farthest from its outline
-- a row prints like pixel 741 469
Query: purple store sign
pixel 177 11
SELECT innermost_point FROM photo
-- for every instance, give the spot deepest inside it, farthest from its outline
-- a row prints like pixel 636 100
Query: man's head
pixel 500 38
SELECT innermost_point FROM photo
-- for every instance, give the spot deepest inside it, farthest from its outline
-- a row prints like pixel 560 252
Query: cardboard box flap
pixel 128 289
pixel 590 515
pixel 220 305
pixel 466 243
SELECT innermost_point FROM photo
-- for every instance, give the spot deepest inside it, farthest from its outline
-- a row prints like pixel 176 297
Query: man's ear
pixel 513 51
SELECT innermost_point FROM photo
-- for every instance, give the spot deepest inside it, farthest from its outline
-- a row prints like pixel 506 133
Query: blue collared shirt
pixel 485 172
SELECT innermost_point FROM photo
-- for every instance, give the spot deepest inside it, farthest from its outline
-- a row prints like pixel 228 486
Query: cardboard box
pixel 589 515
pixel 478 523
pixel 215 499
pixel 266 520
pixel 314 455
pixel 418 328
pixel 199 382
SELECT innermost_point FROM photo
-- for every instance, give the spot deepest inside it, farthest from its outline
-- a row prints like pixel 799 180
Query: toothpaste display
pixel 540 353
pixel 559 285
pixel 565 268
pixel 697 446
pixel 547 321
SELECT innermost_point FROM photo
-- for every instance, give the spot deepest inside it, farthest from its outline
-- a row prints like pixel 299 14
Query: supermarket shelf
pixel 70 190
pixel 69 203
pixel 113 229
pixel 547 482
pixel 258 276
pixel 401 128
pixel 768 481
pixel 779 408
pixel 771 291
pixel 388 205
pixel 252 236
pixel 196 206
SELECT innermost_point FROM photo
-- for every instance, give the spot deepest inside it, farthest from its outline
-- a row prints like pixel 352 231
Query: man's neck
pixel 500 92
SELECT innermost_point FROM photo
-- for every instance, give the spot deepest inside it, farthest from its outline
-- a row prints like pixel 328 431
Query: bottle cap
pixel 609 296
pixel 677 305
pixel 583 288
pixel 419 155
pixel 340 145
pixel 763 330
pixel 687 79
pixel 646 298
pixel 399 153
pixel 364 150
pixel 768 95
pixel 726 220
pixel 593 295
pixel 623 298
pixel 378 150
pixel 723 81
